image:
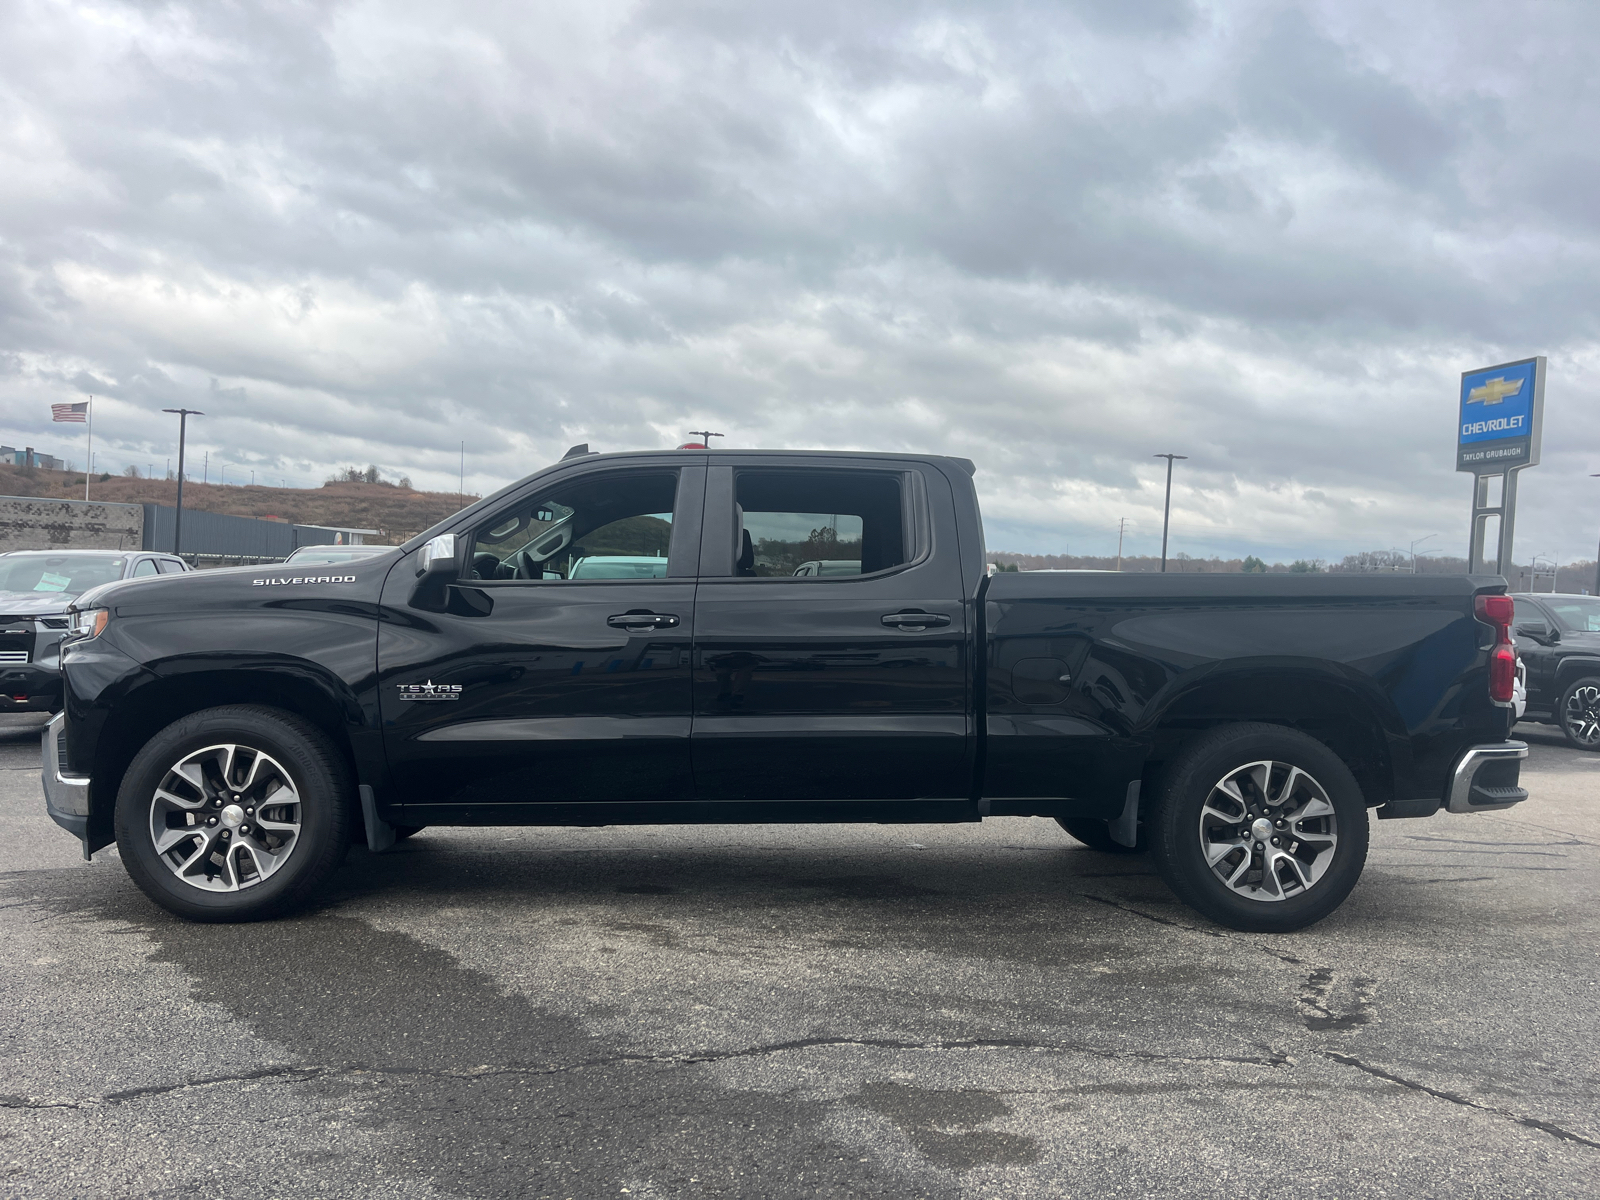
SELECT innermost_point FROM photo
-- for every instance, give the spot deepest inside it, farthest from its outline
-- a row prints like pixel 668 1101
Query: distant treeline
pixel 1572 577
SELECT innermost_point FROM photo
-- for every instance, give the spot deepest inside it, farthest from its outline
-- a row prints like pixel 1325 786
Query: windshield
pixel 334 554
pixel 1575 614
pixel 68 574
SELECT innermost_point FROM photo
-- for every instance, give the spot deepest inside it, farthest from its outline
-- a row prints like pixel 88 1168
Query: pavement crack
pixel 1280 955
pixel 35 1102
pixel 684 1058
pixel 264 1074
pixel 1553 1130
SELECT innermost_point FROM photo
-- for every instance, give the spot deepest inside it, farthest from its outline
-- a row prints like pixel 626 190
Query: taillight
pixel 1497 611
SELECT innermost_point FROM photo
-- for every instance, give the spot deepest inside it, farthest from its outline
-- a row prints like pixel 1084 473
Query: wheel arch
pixel 1573 667
pixel 301 689
pixel 1339 707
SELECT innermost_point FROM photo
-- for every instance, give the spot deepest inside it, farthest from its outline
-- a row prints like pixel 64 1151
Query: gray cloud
pixel 1054 238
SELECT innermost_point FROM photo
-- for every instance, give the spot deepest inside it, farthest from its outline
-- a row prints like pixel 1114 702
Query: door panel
pixel 802 691
pixel 545 690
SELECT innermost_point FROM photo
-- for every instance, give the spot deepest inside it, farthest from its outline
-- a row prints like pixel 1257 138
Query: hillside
pixel 396 512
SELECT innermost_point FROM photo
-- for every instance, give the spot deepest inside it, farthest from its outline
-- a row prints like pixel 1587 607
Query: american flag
pixel 70 412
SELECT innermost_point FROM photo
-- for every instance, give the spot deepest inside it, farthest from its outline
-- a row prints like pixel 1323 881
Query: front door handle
pixel 914 622
pixel 639 622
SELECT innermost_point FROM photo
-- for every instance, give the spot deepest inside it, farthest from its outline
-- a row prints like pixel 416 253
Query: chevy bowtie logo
pixel 1494 391
pixel 430 691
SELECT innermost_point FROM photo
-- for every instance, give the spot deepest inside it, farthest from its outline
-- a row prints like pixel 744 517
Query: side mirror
pixel 438 557
pixel 1537 630
pixel 437 569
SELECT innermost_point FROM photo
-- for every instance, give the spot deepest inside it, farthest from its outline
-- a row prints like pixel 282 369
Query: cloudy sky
pixel 1055 238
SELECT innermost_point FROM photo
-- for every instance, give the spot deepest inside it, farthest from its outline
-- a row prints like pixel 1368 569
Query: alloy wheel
pixel 1268 831
pixel 1581 716
pixel 225 818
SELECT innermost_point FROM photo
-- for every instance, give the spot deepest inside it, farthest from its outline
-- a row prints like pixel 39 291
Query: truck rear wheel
pixel 234 814
pixel 1260 828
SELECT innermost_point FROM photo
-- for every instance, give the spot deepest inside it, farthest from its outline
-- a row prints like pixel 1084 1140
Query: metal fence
pixel 216 535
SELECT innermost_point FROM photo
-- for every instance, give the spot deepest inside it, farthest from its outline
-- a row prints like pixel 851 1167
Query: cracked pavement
pixel 942 1011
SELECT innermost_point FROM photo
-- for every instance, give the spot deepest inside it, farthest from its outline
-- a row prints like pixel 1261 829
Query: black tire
pixel 1330 848
pixel 295 755
pixel 402 832
pixel 1578 713
pixel 1097 836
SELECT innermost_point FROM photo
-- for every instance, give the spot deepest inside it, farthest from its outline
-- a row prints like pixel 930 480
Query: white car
pixel 618 566
pixel 830 566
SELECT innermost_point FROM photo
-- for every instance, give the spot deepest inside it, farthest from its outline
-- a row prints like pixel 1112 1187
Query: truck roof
pixel 966 465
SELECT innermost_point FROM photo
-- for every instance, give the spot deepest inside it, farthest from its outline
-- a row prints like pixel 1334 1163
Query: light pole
pixel 223 482
pixel 1166 510
pixel 183 426
pixel 1596 560
pixel 1414 546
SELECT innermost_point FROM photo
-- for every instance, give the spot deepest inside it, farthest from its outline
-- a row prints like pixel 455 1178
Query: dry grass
pixel 396 512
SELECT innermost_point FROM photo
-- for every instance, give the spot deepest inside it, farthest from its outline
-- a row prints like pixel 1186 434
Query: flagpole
pixel 88 467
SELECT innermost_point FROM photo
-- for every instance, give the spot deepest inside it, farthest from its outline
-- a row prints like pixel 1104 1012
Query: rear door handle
pixel 914 621
pixel 638 622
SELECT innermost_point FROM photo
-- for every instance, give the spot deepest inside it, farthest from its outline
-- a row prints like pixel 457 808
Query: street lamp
pixel 223 482
pixel 1166 511
pixel 183 426
pixel 1414 546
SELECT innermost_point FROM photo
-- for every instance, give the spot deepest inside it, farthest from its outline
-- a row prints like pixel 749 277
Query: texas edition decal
pixel 430 691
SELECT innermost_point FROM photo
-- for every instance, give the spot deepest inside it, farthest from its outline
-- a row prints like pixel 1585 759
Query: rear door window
pixel 797 524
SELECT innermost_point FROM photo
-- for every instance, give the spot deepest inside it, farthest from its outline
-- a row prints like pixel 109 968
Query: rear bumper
pixel 1486 778
pixel 66 797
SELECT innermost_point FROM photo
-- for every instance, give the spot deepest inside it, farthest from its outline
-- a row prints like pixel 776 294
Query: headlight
pixel 88 623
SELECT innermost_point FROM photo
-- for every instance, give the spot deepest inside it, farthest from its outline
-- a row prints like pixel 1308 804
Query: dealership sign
pixel 1501 417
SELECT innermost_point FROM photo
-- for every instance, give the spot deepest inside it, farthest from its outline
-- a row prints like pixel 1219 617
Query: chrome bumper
pixel 66 797
pixel 1485 778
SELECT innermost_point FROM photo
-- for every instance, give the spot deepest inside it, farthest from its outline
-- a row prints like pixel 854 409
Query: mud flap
pixel 380 834
pixel 1124 830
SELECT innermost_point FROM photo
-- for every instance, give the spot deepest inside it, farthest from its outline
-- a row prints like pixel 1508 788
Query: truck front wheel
pixel 1260 828
pixel 234 814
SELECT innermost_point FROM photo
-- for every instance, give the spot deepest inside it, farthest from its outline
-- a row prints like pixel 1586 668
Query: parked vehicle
pixel 1558 638
pixel 307 556
pixel 618 566
pixel 830 566
pixel 36 588
pixel 231 734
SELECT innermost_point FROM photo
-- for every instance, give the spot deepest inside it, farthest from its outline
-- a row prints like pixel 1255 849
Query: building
pixel 29 457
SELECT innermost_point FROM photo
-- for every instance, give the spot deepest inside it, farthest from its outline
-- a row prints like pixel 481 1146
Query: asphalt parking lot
pixel 856 1010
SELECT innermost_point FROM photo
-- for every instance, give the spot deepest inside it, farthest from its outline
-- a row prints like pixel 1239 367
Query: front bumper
pixel 29 687
pixel 66 797
pixel 1485 778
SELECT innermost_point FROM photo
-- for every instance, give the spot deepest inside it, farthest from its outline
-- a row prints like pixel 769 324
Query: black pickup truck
pixel 719 636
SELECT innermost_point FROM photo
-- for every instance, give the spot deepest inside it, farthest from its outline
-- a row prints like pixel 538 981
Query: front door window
pixel 603 528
